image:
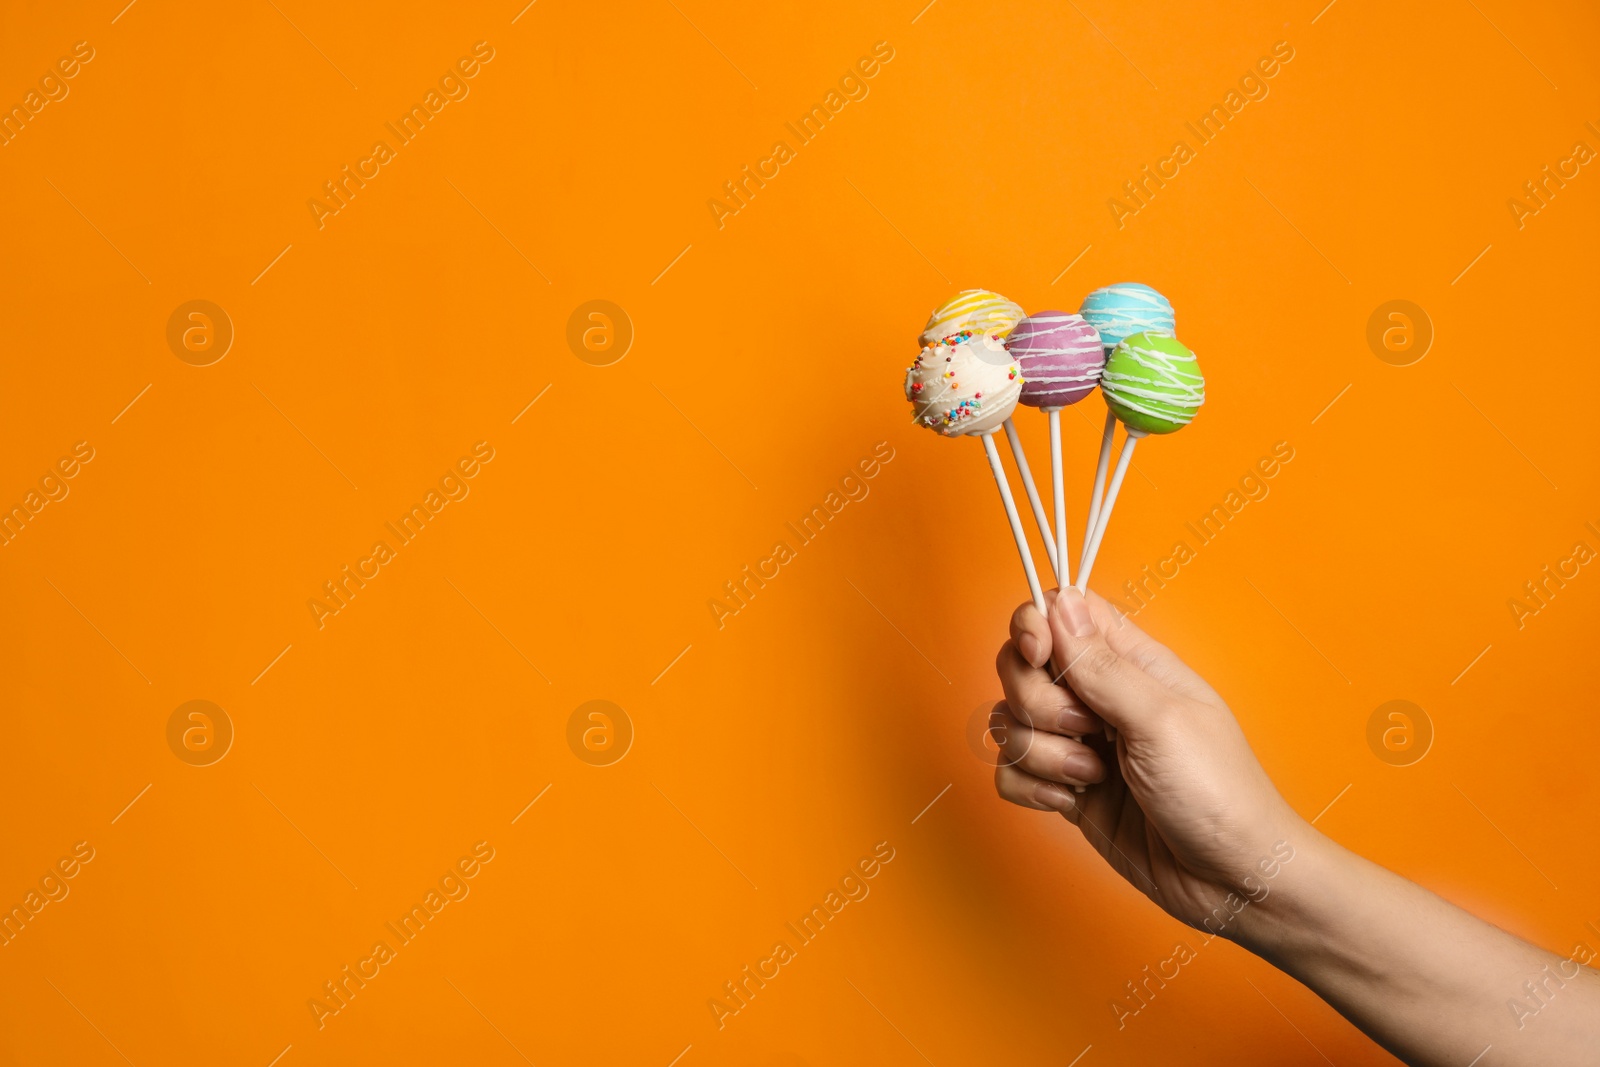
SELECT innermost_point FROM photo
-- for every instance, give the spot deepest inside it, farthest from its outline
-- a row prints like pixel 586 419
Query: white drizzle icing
pixel 1064 379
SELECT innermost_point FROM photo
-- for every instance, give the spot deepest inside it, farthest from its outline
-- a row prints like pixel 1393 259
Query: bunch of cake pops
pixel 981 357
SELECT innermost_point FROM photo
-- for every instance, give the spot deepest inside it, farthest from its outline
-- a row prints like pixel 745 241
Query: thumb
pixel 1114 688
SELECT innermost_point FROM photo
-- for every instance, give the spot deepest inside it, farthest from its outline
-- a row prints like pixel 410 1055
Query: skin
pixel 1179 806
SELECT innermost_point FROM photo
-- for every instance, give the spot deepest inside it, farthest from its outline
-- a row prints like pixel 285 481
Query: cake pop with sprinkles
pixel 986 314
pixel 967 385
pixel 963 385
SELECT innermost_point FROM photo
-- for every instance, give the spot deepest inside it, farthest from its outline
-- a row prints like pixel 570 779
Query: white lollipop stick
pixel 1063 572
pixel 1015 519
pixel 1033 499
pixel 1099 487
pixel 1092 549
pixel 1059 491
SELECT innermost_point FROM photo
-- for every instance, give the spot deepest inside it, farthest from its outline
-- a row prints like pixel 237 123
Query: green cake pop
pixel 1153 383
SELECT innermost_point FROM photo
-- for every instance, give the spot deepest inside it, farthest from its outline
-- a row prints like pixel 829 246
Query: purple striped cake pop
pixel 1061 357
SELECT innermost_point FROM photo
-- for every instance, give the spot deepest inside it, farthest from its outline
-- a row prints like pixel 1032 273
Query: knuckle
pixel 1023 712
pixel 1064 722
pixel 1015 744
pixel 1102 660
pixel 1066 714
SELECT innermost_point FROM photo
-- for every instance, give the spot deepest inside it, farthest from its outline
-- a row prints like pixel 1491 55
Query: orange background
pixel 827 715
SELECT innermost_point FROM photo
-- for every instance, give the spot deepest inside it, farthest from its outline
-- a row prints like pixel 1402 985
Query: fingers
pixel 1037 701
pixel 1044 755
pixel 1029 792
pixel 1111 685
pixel 1031 632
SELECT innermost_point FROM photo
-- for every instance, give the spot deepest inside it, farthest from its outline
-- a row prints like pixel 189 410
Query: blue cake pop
pixel 1126 308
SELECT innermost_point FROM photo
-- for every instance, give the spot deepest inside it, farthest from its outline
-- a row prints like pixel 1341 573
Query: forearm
pixel 1420 976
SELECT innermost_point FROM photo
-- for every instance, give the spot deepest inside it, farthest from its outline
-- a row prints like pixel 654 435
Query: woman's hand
pixel 1178 804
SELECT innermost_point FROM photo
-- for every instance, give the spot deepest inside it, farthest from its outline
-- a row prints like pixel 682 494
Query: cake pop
pixel 1117 311
pixel 1124 308
pixel 1061 357
pixel 967 385
pixel 983 313
pixel 963 385
pixel 1153 384
pixel 975 311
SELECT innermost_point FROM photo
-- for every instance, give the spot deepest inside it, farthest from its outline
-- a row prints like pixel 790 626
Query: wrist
pixel 1275 899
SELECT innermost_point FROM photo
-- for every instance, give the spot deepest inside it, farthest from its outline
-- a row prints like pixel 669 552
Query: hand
pixel 1178 804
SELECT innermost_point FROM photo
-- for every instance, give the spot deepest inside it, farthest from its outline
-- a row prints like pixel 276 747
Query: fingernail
pixel 1075 610
pixel 1028 645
